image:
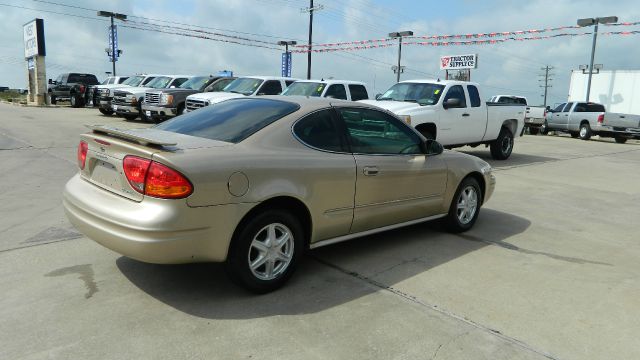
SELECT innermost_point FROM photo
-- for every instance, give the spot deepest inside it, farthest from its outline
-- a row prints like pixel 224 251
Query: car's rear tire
pixel 465 206
pixel 620 139
pixel 585 131
pixel 130 117
pixel 502 147
pixel 533 130
pixel 76 101
pixel 105 111
pixel 265 251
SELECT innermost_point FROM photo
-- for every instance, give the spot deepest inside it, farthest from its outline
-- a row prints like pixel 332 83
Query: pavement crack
pixel 433 307
pixel 508 246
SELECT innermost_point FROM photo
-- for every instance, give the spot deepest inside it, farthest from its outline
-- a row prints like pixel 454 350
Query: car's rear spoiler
pixel 148 138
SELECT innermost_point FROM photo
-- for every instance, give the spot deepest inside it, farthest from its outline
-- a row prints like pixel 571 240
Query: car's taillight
pixel 82 89
pixel 600 118
pixel 82 154
pixel 154 179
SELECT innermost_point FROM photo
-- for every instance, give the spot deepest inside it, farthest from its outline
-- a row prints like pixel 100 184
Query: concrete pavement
pixel 549 271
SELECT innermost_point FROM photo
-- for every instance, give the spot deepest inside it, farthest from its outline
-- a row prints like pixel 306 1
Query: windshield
pixel 133 81
pixel 160 82
pixel 218 85
pixel 230 121
pixel 105 81
pixel 422 93
pixel 244 86
pixel 305 89
pixel 195 83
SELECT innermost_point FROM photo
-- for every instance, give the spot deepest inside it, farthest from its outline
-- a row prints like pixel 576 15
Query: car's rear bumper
pixel 153 230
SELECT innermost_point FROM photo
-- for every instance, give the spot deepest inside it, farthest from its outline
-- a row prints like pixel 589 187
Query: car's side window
pixel 358 92
pixel 457 92
pixel 375 132
pixel 567 107
pixel 559 108
pixel 474 96
pixel 177 82
pixel 271 87
pixel 289 82
pixel 319 130
pixel 336 91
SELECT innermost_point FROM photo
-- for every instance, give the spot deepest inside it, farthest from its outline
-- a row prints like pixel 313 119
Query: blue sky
pixel 77 44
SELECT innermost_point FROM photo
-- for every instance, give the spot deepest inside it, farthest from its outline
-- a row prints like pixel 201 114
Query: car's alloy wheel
pixel 73 101
pixel 271 251
pixel 265 250
pixel 502 147
pixel 465 206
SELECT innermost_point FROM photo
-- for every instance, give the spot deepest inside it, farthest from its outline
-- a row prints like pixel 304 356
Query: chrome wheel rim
pixel 467 205
pixel 506 144
pixel 271 251
pixel 583 131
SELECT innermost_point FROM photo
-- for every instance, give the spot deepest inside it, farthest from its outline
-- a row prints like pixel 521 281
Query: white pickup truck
pixel 452 113
pixel 332 88
pixel 243 86
pixel 534 115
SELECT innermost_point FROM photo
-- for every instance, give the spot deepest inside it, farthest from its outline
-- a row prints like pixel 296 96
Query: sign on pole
pixel 34 38
pixel 113 43
pixel 286 64
pixel 459 62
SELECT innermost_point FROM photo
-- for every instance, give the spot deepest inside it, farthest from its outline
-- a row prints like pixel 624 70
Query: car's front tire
pixel 465 206
pixel 585 131
pixel 265 251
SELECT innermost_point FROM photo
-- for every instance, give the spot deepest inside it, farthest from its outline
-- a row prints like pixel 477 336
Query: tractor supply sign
pixel 459 62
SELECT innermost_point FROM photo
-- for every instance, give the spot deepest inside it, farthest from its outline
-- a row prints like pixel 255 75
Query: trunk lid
pixel 108 146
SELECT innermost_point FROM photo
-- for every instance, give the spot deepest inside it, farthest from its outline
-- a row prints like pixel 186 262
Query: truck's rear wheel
pixel 620 139
pixel 585 131
pixel 501 148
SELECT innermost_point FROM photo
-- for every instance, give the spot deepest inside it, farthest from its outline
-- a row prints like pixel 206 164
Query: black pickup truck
pixel 75 87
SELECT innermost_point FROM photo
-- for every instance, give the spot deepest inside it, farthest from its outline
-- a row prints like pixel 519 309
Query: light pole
pixel 590 22
pixel 112 15
pixel 399 35
pixel 286 68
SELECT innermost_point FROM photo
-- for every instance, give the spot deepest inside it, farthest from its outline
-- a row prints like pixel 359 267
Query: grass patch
pixel 13 96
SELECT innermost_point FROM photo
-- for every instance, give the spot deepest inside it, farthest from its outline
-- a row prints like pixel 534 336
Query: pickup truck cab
pixel 337 89
pixel 105 92
pixel 127 101
pixel 452 113
pixel 585 119
pixel 74 87
pixel 534 115
pixel 160 105
pixel 243 86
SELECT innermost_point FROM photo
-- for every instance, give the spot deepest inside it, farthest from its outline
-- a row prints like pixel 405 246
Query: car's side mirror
pixel 451 103
pixel 378 96
pixel 51 81
pixel 432 147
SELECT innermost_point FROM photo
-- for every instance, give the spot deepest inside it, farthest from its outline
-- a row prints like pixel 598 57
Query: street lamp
pixel 113 15
pixel 399 35
pixel 286 60
pixel 591 22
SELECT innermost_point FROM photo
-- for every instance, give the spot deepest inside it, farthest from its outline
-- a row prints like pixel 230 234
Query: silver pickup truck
pixel 585 119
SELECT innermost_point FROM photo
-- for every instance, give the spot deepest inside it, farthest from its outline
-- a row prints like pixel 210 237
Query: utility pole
pixel 546 80
pixel 114 53
pixel 399 69
pixel 590 22
pixel 310 10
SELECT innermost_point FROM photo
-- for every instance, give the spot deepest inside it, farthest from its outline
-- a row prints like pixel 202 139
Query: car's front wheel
pixel 265 251
pixel 585 131
pixel 465 206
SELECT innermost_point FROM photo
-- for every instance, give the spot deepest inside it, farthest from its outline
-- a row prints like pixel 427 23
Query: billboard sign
pixel 459 62
pixel 286 64
pixel 33 35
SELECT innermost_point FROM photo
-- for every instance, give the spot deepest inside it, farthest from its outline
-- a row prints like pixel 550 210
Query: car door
pixel 475 124
pixel 395 181
pixel 58 89
pixel 563 117
pixel 331 173
pixel 553 118
pixel 453 119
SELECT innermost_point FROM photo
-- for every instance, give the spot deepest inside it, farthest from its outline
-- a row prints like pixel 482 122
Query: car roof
pixel 313 102
pixel 332 81
pixel 262 77
pixel 439 81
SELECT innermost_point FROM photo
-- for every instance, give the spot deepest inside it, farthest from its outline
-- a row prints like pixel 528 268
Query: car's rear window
pixel 232 120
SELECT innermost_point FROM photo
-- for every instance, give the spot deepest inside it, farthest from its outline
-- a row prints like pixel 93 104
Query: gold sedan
pixel 254 182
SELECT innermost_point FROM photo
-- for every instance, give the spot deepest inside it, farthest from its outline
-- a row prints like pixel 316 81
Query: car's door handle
pixel 465 114
pixel 566 114
pixel 622 116
pixel 370 170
